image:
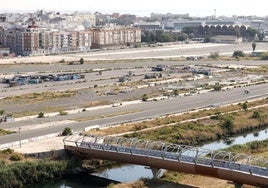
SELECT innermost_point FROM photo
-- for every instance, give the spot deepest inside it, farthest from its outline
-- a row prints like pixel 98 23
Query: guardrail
pixel 181 153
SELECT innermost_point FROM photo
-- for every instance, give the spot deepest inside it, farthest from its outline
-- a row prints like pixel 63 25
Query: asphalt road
pixel 172 51
pixel 146 110
pixel 159 52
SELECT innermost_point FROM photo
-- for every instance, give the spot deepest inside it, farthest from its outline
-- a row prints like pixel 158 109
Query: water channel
pixel 129 173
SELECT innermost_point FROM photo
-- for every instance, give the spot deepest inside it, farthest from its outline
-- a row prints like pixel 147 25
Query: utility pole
pixel 20 136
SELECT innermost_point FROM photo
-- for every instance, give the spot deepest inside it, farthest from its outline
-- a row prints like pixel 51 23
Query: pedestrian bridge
pixel 239 168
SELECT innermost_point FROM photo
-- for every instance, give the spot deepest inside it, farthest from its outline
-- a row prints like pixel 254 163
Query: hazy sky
pixel 143 7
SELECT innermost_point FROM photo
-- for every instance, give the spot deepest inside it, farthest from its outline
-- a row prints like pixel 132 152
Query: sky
pixel 142 7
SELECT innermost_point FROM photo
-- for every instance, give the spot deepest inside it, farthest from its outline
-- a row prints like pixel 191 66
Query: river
pixel 128 173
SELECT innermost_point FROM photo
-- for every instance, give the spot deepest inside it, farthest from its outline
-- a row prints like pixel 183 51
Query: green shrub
pixel 15 157
pixel 144 97
pixel 18 174
pixel 67 131
pixel 62 61
pixel 7 151
pixel 214 55
pixel 41 115
pixel 264 56
pixel 228 124
pixel 256 115
pixel 245 106
pixel 239 53
pixel 217 116
pixel 2 112
pixel 217 87
pixel 63 113
pixel 138 45
pixel 81 61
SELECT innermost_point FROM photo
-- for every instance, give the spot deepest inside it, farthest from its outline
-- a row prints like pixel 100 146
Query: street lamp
pixel 20 136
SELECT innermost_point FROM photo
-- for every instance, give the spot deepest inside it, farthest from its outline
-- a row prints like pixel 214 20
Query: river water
pixel 129 173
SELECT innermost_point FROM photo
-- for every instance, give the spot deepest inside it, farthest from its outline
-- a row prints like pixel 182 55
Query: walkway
pixel 239 168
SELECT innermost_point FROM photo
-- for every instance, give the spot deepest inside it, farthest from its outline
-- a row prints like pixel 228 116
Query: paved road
pixel 144 110
pixel 172 51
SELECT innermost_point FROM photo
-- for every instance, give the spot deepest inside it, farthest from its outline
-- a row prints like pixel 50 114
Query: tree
pixel 251 33
pixel 126 19
pixel 245 106
pixel 176 92
pixel 253 46
pixel 261 35
pixel 188 30
pixel 182 37
pixel 81 61
pixel 228 124
pixel 144 97
pixel 207 40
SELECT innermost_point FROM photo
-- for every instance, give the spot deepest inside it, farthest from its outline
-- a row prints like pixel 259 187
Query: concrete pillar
pixel 157 173
pixel 237 185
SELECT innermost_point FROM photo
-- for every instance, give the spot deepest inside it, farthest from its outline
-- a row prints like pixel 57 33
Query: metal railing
pixel 181 153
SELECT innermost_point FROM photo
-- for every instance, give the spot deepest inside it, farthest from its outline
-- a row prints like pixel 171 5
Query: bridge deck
pixel 241 169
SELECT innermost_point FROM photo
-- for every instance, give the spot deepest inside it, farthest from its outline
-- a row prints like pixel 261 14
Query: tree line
pixel 189 33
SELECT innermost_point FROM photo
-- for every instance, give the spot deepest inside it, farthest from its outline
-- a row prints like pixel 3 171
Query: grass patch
pixel 104 116
pixel 45 110
pixel 252 148
pixel 5 132
pixel 172 128
pixel 38 97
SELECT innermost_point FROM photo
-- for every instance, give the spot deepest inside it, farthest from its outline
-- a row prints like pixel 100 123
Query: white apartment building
pixel 39 41
pixel 116 36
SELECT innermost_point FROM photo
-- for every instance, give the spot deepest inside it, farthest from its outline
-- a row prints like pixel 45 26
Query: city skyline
pixel 141 8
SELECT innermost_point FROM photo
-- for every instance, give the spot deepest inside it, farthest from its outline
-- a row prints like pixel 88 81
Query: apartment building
pixel 54 41
pixel 84 40
pixel 2 36
pixel 86 19
pixel 10 39
pixel 29 41
pixel 33 40
pixel 115 36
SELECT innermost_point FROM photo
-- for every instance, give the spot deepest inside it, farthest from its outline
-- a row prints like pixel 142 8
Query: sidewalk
pixel 40 146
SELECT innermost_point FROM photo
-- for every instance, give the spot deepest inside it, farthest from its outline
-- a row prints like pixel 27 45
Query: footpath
pixel 41 146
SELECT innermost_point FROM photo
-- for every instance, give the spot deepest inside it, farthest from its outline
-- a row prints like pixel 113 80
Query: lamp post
pixel 20 136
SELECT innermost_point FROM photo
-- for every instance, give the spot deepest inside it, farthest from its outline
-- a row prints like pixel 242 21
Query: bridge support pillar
pixel 157 173
pixel 238 185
